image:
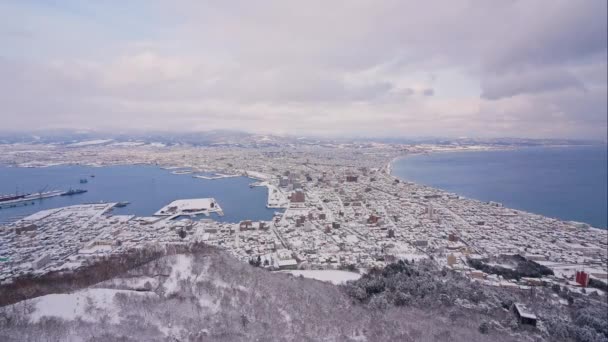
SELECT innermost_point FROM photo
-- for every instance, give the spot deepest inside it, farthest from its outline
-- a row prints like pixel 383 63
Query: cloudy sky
pixel 377 68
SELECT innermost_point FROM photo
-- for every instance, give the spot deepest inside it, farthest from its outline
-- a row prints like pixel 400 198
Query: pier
pixel 31 198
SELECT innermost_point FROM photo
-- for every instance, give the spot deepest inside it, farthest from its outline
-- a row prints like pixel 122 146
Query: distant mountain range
pixel 230 138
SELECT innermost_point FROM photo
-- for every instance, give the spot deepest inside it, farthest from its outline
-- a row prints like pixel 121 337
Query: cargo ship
pixel 73 192
pixel 29 198
pixel 11 197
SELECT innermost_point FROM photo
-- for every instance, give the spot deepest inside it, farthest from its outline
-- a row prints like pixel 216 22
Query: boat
pixel 73 192
pixel 84 181
pixel 11 197
pixel 42 194
pixel 121 204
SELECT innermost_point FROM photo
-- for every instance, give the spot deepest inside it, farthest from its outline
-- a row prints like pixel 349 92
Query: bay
pixel 147 188
pixel 569 183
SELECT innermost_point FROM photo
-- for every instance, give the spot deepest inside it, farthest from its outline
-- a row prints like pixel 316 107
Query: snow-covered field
pixel 335 277
pixel 82 304
pixel 91 142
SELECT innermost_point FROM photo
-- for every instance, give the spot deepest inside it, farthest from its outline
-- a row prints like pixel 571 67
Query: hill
pixel 206 295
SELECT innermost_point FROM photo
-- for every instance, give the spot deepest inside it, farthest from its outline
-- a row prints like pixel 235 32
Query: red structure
pixel 373 219
pixel 298 197
pixel 582 278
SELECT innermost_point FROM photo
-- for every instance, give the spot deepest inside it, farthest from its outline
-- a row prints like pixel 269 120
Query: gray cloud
pixel 474 68
pixel 550 33
pixel 496 86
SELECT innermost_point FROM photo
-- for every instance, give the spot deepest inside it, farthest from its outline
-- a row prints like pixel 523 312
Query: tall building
pixel 430 210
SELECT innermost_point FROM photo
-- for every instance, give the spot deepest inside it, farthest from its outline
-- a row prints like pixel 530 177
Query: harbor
pixel 144 188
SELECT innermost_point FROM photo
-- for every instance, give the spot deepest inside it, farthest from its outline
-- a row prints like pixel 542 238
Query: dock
pixel 31 198
pixel 191 207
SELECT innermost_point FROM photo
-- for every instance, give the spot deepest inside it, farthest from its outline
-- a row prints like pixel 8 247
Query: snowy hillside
pixel 211 297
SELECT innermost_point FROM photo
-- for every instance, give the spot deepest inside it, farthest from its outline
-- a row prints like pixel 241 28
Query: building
pixel 477 274
pixel 582 278
pixel 283 182
pixel 288 264
pixel 524 316
pixel 41 261
pixel 451 260
pixel 430 211
pixel 245 225
pixel 373 219
pixel 298 197
pixel 210 229
pixel 421 243
pixel 351 178
pixel 300 221
pixel 26 228
pixel 453 237
pixel 391 233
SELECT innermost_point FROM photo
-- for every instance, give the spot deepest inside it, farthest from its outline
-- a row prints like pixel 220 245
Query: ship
pixel 29 198
pixel 84 181
pixel 12 197
pixel 73 192
pixel 121 204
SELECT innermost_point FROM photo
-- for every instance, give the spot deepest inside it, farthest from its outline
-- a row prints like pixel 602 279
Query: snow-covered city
pixel 341 210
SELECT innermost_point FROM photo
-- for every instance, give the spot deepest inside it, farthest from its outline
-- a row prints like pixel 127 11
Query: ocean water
pixel 569 183
pixel 147 188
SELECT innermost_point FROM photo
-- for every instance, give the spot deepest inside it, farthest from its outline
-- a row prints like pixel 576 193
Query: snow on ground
pixel 95 249
pixel 40 215
pixel 181 269
pixel 258 175
pixel 82 304
pixel 157 144
pixel 129 143
pixel 335 277
pixel 130 283
pixel 90 142
pixel 503 265
pixel 411 256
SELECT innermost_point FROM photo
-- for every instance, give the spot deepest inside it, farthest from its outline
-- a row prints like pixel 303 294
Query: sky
pixel 477 68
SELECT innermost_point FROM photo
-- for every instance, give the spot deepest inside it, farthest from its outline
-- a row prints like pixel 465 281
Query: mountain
pixel 230 138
